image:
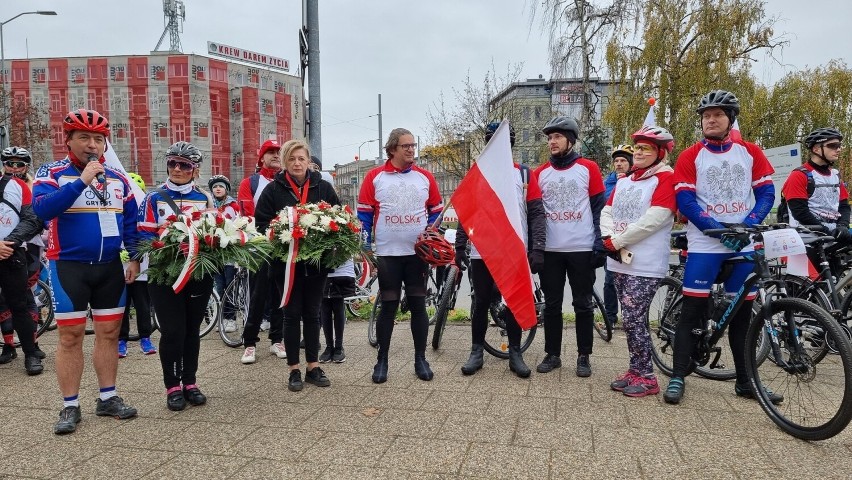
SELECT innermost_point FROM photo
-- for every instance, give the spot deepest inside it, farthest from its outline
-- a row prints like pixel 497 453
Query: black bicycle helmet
pixel 563 125
pixel 492 127
pixel 723 99
pixel 16 153
pixel 822 135
pixel 185 150
pixel 219 179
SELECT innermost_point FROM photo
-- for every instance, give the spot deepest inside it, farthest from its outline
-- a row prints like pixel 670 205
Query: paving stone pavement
pixel 490 425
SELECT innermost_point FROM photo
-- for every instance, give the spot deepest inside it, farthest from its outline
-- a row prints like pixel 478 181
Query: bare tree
pixel 28 126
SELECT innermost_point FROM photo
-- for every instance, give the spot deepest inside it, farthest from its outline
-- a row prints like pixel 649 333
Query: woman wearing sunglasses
pixel 179 314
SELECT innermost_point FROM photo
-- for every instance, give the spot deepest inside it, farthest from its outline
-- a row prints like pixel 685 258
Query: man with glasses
pixel 92 212
pixel 814 192
pixel 262 289
pixel 399 200
pixel 18 224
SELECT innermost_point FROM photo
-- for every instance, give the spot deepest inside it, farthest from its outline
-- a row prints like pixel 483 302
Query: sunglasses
pixel 643 148
pixel 182 166
pixel 14 164
pixel 407 146
pixel 833 146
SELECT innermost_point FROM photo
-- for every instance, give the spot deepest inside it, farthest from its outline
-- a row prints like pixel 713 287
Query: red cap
pixel 267 146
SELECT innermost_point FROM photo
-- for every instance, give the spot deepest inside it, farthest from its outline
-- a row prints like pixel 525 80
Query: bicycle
pixel 365 277
pixel 207 323
pixel 602 322
pixel 44 309
pixel 233 314
pixel 788 368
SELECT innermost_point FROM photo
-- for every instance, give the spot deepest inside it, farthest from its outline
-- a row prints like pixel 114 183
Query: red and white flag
pixel 113 161
pixel 488 208
pixel 651 117
pixel 735 132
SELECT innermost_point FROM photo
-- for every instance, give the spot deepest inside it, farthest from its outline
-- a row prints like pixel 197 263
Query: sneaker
pixel 69 417
pixel 230 326
pixel 317 377
pixel 8 354
pixel 584 368
pixel 622 381
pixel 641 387
pixel 147 347
pixel 248 356
pixel 745 392
pixel 122 348
pixel 674 392
pixel 33 365
pixel 548 364
pixel 264 325
pixel 175 401
pixel 339 355
pixel 278 350
pixel 294 384
pixel 114 407
pixel 326 355
pixel 193 395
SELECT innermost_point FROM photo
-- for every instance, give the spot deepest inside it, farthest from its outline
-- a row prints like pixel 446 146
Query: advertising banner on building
pixel 242 55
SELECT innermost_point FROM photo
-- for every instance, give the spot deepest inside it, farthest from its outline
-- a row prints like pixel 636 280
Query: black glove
pixel 461 259
pixel 735 241
pixel 841 234
pixel 598 259
pixel 536 259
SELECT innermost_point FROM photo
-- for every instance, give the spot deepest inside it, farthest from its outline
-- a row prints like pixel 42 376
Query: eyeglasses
pixel 407 146
pixel 182 166
pixel 14 164
pixel 643 148
pixel 834 146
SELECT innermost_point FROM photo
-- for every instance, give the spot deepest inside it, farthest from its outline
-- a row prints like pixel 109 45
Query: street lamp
pixel 6 93
pixel 364 143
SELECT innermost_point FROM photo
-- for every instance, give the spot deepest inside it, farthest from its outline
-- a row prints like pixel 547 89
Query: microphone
pixel 101 178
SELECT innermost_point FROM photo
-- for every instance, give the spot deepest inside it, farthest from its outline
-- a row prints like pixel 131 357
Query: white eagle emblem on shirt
pixel 726 182
pixel 563 195
pixel 626 205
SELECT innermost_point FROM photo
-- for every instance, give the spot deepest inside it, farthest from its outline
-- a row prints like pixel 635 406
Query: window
pixel 180 133
pixel 214 102
pixel 177 101
pixel 55 106
pixel 141 71
pixel 58 136
pixel 56 73
pixel 538 113
pixel 140 100
pixel 279 108
pixel 526 113
pixel 218 74
pixel 525 156
pixel 91 102
pixel 526 135
pixel 215 140
pixel 19 74
pixel 177 70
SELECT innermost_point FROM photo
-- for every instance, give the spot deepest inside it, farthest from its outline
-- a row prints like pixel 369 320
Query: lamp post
pixel 6 112
pixel 358 172
pixel 364 143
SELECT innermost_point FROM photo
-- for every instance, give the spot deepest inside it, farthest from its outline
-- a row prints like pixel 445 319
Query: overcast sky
pixel 407 50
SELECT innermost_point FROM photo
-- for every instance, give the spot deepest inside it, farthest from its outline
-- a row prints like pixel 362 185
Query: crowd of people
pixel 575 221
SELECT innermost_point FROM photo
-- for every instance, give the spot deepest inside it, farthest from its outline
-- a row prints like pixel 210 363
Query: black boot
pixel 421 367
pixel 380 371
pixel 8 354
pixel 474 363
pixel 39 353
pixel 516 362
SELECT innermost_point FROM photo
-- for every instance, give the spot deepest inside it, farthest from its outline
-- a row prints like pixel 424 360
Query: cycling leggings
pixel 393 272
pixel 137 293
pixel 78 286
pixel 484 291
pixel 180 316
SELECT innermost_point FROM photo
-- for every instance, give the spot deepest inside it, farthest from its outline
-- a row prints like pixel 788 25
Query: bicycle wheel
pixel 801 288
pixel 602 323
pixel 443 307
pixel 663 316
pixel 231 329
pixel 815 407
pixel 496 336
pixel 374 319
pixel 211 317
pixel 44 307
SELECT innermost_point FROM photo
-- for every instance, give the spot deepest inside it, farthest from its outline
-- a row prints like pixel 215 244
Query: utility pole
pixel 381 150
pixel 310 33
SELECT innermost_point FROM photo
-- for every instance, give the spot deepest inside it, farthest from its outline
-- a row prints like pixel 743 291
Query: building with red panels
pixel 227 109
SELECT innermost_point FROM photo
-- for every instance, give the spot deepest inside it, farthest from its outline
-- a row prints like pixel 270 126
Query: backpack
pixel 783 213
pixel 3 182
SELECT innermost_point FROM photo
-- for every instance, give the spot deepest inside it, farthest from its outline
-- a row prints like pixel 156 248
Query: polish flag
pixel 487 206
pixel 735 131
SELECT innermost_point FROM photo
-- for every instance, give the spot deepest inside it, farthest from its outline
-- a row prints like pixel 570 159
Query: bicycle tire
pixel 798 287
pixel 443 307
pixel 44 305
pixel 601 322
pixel 496 337
pixel 211 316
pixel 374 319
pixel 792 382
pixel 236 293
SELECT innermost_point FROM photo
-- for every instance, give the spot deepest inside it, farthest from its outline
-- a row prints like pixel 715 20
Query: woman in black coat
pixel 297 184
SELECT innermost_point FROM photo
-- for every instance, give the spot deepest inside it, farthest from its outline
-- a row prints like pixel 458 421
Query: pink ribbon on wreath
pixel 292 253
pixel 191 257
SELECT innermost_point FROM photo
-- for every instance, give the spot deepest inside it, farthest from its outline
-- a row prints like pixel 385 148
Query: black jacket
pixel 278 195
